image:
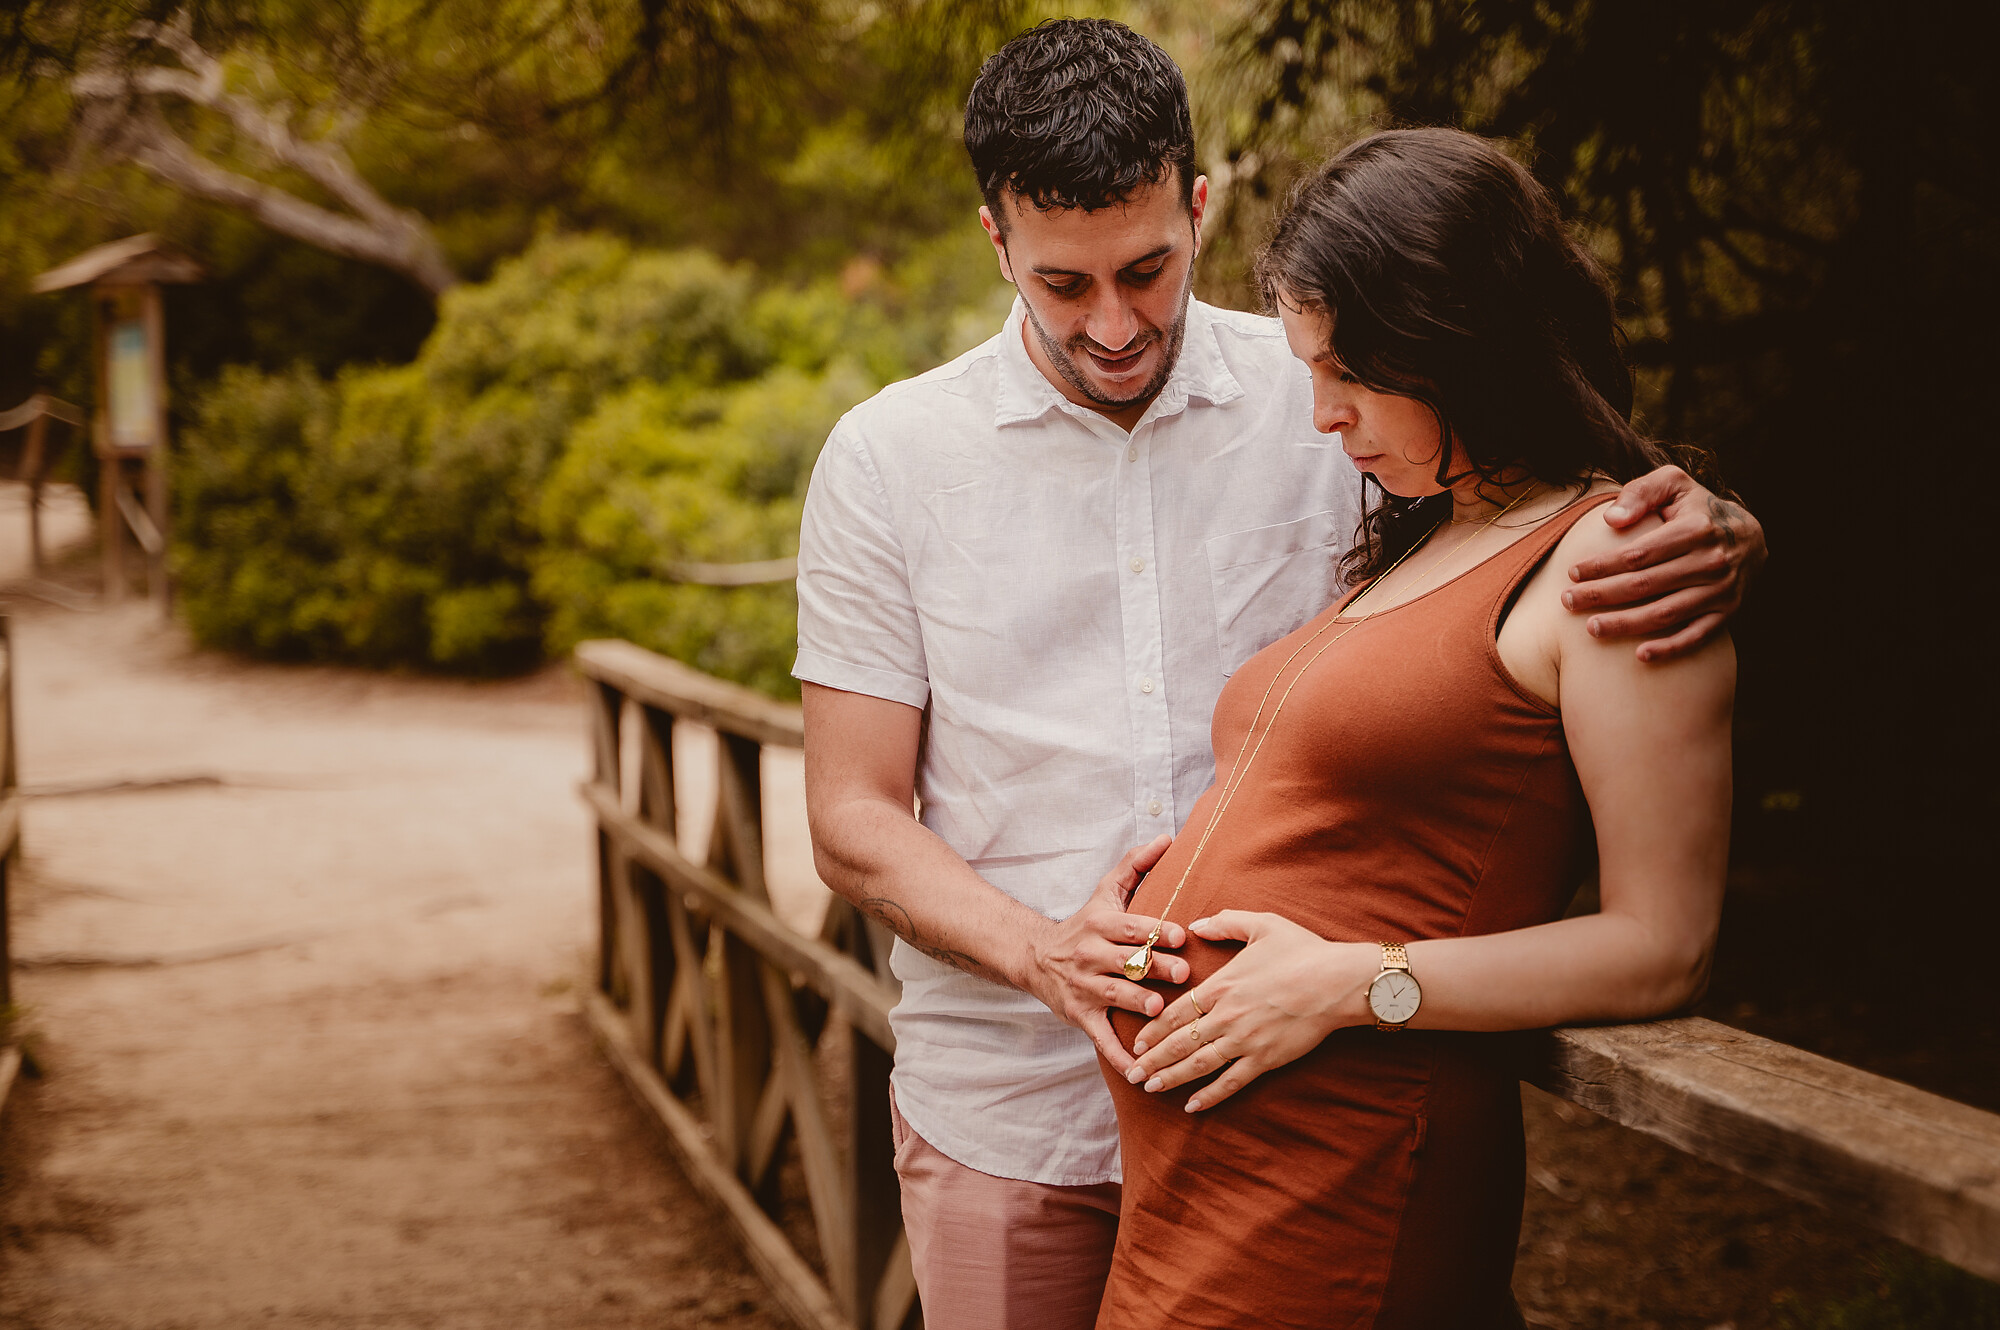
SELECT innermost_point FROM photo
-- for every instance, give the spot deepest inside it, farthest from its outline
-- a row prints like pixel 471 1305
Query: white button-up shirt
pixel 1067 600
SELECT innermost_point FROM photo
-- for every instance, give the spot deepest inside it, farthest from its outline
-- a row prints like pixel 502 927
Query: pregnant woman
pixel 1317 1133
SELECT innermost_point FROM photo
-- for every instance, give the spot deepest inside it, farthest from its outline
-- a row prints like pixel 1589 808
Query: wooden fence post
pixel 10 813
pixel 743 1027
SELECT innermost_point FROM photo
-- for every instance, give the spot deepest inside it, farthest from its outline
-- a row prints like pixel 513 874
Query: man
pixel 1023 580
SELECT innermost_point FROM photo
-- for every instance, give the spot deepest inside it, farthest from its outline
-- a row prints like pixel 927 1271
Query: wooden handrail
pixel 704 988
pixel 34 415
pixel 37 407
pixel 1917 1166
pixel 656 681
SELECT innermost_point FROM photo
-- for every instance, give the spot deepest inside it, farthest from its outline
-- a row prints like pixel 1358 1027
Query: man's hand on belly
pixel 1075 962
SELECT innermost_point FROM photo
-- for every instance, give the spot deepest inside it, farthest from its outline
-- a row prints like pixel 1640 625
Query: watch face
pixel 1394 997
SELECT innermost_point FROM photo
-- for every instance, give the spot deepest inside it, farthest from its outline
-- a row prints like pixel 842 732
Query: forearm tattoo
pixel 897 920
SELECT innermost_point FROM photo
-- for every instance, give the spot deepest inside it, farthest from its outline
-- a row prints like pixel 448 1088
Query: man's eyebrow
pixel 1049 270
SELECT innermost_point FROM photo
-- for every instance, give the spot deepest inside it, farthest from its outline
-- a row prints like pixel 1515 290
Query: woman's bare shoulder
pixel 1590 535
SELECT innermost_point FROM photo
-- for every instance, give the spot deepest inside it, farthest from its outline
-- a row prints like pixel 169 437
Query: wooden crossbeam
pixel 826 1185
pixel 797 1288
pixel 691 982
pixel 141 522
pixel 855 992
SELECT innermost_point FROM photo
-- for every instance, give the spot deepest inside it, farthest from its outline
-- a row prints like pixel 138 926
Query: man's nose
pixel 1111 323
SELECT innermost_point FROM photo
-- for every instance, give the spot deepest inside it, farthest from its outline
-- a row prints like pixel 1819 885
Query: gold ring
pixel 1198 1012
pixel 1194 1028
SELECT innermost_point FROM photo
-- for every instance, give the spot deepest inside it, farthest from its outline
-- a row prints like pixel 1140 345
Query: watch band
pixel 1393 958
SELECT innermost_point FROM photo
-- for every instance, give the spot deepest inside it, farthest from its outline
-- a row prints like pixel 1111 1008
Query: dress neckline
pixel 1585 498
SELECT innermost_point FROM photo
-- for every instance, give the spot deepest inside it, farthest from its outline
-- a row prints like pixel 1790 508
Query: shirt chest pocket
pixel 1270 579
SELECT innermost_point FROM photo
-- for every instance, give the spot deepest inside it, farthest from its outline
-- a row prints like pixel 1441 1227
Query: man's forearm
pixel 902 875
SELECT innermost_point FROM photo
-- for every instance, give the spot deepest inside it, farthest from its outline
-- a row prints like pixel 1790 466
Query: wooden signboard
pixel 129 425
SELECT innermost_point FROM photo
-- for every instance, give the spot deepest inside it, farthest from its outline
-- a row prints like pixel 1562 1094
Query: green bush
pixel 656 478
pixel 572 431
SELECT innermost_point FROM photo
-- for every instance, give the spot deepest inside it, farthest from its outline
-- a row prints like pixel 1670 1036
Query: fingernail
pixel 1619 512
pixel 1194 1105
pixel 1569 600
pixel 1134 1075
pixel 1595 629
pixel 1138 1047
pixel 1155 1085
pixel 1199 923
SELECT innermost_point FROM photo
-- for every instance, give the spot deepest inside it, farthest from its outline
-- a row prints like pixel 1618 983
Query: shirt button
pixel 1155 807
pixel 1146 684
pixel 1138 565
pixel 1132 453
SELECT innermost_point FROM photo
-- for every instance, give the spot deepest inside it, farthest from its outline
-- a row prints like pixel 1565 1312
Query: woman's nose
pixel 1333 411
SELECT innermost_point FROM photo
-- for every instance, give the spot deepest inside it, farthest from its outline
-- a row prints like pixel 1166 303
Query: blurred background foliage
pixel 573 428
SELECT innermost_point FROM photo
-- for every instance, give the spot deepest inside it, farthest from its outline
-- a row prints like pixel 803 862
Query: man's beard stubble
pixel 1060 355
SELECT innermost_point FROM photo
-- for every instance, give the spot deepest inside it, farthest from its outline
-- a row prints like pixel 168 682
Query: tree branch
pixel 150 144
pixel 380 233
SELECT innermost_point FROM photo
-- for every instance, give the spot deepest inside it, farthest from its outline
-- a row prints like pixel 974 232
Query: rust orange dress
pixel 1410 789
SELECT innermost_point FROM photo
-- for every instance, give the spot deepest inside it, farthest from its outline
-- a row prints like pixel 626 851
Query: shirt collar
pixel 1200 375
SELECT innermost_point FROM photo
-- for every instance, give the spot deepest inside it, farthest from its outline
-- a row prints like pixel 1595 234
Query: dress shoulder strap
pixel 1518 563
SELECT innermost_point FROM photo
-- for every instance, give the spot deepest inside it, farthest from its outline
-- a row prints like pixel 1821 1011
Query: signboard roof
pixel 127 262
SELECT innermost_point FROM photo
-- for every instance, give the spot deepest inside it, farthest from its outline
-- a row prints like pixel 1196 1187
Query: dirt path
pixel 306 1010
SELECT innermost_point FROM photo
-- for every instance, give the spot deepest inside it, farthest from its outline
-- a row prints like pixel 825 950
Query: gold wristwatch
pixel 1394 995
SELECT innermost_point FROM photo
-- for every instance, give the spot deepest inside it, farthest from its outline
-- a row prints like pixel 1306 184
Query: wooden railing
pixel 757 1046
pixel 10 853
pixel 765 1052
pixel 37 457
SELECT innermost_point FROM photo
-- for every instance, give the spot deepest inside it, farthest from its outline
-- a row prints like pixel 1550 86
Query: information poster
pixel 134 414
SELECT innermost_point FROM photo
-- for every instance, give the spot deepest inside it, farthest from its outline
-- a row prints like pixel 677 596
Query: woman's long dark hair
pixel 1446 274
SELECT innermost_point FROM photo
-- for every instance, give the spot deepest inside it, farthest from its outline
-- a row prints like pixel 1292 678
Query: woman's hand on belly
pixel 1272 1003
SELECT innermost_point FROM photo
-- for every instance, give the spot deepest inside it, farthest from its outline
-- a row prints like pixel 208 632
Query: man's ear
pixel 1198 207
pixel 999 239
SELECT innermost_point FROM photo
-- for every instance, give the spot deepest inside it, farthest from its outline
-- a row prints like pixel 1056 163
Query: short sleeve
pixel 858 625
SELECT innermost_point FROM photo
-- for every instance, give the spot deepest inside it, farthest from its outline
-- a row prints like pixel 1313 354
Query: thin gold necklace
pixel 1468 521
pixel 1139 962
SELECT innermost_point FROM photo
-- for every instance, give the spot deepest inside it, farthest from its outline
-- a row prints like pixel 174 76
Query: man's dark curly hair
pixel 1078 113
